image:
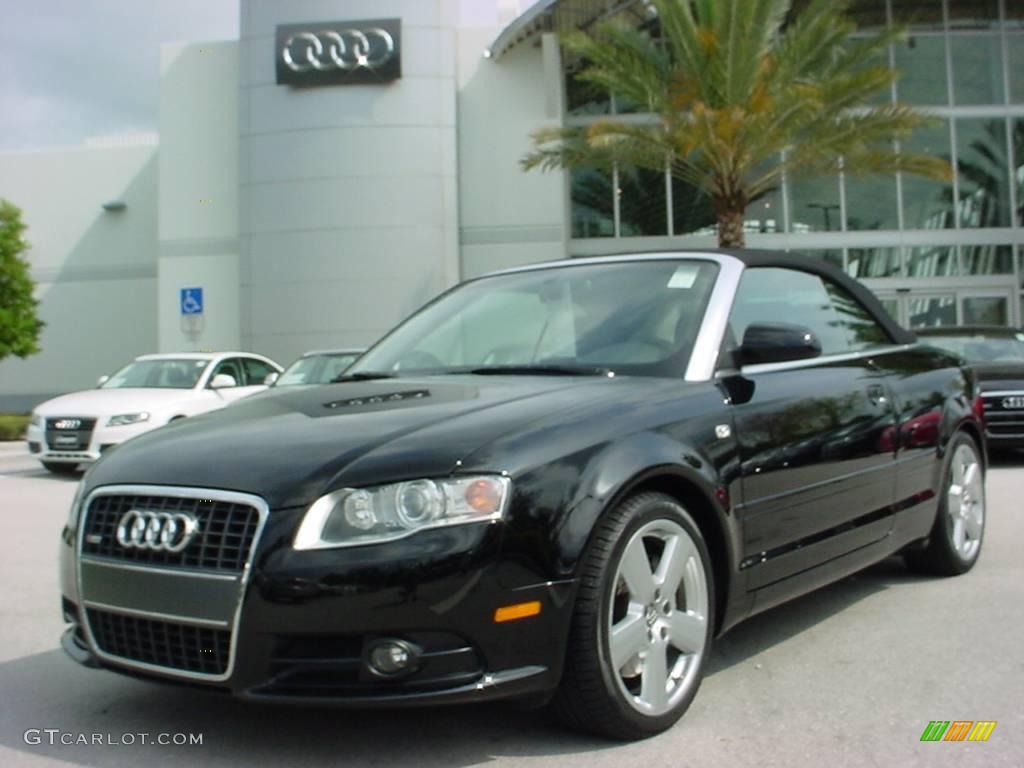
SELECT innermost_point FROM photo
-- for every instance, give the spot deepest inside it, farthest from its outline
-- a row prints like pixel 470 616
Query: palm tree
pixel 745 92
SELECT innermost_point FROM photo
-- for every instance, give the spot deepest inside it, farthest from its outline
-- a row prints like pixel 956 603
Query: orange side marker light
pixel 517 611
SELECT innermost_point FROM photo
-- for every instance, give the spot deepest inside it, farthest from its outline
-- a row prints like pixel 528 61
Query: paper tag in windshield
pixel 684 276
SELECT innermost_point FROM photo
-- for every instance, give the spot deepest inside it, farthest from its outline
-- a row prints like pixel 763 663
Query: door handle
pixel 877 396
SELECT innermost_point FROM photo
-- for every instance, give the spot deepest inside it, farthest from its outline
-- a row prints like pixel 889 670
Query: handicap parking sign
pixel 191 301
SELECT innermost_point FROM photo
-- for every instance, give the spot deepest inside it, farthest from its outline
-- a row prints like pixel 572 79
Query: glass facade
pixel 961 60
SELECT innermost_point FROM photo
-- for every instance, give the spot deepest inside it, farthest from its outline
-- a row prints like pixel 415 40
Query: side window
pixel 232 368
pixel 255 370
pixel 777 295
pixel 861 327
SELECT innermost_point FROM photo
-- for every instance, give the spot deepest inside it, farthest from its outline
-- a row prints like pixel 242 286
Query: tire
pixel 954 543
pixel 60 468
pixel 657 637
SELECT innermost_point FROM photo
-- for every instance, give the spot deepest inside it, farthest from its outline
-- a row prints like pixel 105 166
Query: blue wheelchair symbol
pixel 191 301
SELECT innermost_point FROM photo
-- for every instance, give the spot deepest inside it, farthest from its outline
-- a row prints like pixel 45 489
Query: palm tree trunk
pixel 730 227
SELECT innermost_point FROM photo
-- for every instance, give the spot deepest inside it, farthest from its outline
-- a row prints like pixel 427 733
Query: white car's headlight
pixel 355 516
pixel 124 419
pixel 36 420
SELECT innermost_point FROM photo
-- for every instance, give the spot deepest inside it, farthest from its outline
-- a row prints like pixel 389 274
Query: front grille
pixel 1003 421
pixel 64 438
pixel 221 543
pixel 167 644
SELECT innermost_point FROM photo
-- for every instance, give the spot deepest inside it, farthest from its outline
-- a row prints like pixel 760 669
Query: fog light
pixel 392 657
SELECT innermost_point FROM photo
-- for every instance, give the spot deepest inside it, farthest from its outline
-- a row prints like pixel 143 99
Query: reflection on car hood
pixel 108 402
pixel 290 445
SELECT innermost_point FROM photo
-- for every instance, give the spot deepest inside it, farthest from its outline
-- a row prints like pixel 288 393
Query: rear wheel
pixel 60 468
pixel 955 541
pixel 642 624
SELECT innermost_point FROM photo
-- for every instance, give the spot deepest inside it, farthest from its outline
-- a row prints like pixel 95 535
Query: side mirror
pixel 102 380
pixel 270 378
pixel 223 381
pixel 777 343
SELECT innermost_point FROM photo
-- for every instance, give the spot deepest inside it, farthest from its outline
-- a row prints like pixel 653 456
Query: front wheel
pixel 955 541
pixel 642 625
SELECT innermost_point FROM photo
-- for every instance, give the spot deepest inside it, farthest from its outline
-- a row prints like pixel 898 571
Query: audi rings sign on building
pixel 156 531
pixel 339 52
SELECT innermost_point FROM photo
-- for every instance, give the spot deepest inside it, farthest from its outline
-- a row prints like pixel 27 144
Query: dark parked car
pixel 996 354
pixel 557 483
pixel 320 366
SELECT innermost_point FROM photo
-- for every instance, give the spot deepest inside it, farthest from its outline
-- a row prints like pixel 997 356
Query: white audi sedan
pixel 150 391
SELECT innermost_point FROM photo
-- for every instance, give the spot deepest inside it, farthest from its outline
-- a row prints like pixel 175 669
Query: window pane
pixel 987 259
pixel 879 59
pixel 814 204
pixel 1018 171
pixel 976 14
pixel 765 213
pixel 928 204
pixel 983 173
pixel 774 295
pixel 642 206
pixel 691 210
pixel 977 69
pixel 592 203
pixel 986 310
pixel 871 202
pixel 891 306
pixel 935 261
pixel 931 311
pixel 921 69
pixel 862 329
pixel 873 262
pixel 919 14
pixel 583 98
pixel 1015 54
pixel 867 13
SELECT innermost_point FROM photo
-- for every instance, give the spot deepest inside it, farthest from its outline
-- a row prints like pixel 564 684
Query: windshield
pixel 982 349
pixel 638 317
pixel 163 374
pixel 316 369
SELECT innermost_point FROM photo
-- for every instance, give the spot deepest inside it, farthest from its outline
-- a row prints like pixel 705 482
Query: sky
pixel 77 69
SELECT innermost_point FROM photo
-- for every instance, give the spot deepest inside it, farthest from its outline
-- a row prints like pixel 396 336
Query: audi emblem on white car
pixel 156 531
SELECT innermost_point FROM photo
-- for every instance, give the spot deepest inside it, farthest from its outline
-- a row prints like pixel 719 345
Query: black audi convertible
pixel 558 484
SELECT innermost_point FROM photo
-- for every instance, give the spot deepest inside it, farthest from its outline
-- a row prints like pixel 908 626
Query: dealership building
pixel 323 176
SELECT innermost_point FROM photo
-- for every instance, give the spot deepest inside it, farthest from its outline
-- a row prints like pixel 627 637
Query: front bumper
pixel 306 621
pixel 101 439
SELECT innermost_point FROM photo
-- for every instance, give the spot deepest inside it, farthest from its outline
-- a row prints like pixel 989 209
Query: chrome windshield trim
pixel 791 365
pixel 262 511
pixel 704 358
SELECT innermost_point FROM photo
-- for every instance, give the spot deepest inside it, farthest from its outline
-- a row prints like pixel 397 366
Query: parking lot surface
pixel 849 675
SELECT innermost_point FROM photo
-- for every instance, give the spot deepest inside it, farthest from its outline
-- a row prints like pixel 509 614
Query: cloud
pixel 71 69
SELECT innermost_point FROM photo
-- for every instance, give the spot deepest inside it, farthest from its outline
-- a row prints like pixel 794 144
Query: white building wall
pixel 198 223
pixel 95 270
pixel 348 203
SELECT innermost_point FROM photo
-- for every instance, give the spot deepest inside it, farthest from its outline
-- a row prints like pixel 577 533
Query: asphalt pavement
pixel 849 675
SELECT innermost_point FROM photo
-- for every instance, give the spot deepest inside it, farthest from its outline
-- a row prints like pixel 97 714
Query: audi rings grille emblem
pixel 338 52
pixel 67 423
pixel 156 531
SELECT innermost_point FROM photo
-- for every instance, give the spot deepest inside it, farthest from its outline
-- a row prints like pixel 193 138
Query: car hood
pixel 108 402
pixel 1000 376
pixel 292 445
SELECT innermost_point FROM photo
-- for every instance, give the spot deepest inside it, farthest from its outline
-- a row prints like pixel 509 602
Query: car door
pixel 815 436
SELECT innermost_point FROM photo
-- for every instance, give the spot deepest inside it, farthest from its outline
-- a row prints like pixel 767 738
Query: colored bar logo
pixel 958 730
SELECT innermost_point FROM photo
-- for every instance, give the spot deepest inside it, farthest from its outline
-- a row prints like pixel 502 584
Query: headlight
pixel 36 420
pixel 355 516
pixel 127 418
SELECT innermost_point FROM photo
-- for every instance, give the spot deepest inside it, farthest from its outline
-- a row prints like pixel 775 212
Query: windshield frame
pixel 699 365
